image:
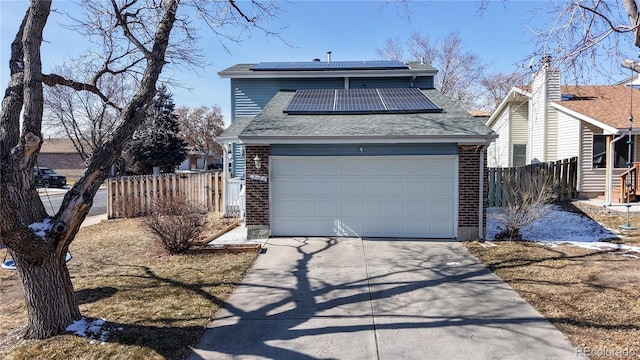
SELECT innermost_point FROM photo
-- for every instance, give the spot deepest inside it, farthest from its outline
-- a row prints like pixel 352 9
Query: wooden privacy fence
pixel 563 173
pixel 130 196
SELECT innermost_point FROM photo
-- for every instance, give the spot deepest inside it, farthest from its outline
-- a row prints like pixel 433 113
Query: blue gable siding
pixel 423 82
pixel 249 96
pixel 238 164
pixel 367 149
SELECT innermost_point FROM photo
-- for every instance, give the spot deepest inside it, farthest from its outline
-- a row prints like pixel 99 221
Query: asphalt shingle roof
pixel 246 69
pixel 235 128
pixel 453 122
pixel 608 104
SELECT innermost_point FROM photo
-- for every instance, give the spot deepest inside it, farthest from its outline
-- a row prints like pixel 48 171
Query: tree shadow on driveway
pixel 329 298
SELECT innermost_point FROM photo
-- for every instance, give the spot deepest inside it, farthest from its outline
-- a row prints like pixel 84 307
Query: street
pixel 53 200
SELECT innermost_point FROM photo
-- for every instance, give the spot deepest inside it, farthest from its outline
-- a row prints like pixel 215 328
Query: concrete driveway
pixel 351 298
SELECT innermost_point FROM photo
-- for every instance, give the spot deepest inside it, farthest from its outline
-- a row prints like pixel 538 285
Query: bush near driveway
pixel 593 297
pixel 155 305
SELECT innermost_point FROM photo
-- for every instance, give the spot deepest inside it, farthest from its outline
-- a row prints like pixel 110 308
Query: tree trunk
pixel 39 257
pixel 49 295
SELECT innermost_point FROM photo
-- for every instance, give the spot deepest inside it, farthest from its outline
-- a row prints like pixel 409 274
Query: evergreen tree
pixel 156 142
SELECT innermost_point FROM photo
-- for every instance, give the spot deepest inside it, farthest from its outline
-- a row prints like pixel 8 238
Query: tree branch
pixel 619 28
pixel 53 80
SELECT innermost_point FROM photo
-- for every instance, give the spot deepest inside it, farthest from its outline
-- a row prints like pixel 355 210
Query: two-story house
pixel 354 148
pixel 547 122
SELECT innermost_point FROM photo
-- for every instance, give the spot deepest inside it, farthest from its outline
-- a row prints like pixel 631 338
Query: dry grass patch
pixel 593 297
pixel 155 305
pixel 611 219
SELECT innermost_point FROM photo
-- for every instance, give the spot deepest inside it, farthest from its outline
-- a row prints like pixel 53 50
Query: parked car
pixel 48 178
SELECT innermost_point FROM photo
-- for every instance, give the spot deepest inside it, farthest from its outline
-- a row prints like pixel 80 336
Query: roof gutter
pixel 381 139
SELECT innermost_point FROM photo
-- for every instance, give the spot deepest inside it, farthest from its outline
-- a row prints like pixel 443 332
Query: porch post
pixel 225 169
pixel 607 167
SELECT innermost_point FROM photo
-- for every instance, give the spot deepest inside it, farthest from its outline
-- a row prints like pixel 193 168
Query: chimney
pixel 546 62
pixel 545 89
pixel 328 56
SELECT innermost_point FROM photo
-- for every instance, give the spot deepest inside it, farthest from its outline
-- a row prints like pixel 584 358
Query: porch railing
pixel 234 198
pixel 629 184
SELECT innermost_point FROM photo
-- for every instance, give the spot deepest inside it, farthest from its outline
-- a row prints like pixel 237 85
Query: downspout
pixel 483 150
pixel 611 165
pixel 545 116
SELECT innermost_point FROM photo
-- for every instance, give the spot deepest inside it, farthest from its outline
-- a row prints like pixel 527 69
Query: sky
pixel 351 30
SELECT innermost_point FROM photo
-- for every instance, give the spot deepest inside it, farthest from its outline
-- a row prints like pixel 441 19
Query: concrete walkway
pixel 349 298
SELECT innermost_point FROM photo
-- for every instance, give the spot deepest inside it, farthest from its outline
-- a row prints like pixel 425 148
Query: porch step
pixel 618 197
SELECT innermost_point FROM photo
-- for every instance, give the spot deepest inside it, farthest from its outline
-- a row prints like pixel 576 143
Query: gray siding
pixel 363 150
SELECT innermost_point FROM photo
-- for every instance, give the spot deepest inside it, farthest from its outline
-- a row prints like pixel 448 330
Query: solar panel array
pixel 360 101
pixel 333 65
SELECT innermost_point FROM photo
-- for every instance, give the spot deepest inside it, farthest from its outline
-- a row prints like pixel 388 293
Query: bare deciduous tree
pixel 458 69
pixel 82 116
pixel 200 128
pixel 133 38
pixel 498 85
pixel 588 39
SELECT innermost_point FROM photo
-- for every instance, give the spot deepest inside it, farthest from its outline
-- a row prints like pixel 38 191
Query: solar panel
pixel 333 65
pixel 407 100
pixel 311 101
pixel 358 100
pixel 361 101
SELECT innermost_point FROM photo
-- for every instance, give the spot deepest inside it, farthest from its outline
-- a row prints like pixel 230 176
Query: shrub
pixel 528 199
pixel 177 223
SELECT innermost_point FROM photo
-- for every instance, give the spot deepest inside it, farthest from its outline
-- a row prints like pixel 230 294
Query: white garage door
pixel 384 196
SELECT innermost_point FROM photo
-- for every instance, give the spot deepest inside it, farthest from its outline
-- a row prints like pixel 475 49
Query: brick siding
pixel 257 191
pixel 469 173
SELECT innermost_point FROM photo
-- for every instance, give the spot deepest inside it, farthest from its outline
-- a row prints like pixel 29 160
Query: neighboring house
pixel 354 149
pixel 196 161
pixel 61 155
pixel 548 122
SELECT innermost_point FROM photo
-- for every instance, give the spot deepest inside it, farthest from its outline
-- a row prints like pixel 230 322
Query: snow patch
pixel 557 225
pixel 41 228
pixel 455 263
pixel 92 329
pixel 563 227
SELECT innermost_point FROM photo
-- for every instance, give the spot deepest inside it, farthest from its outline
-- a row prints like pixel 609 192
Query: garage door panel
pixel 351 168
pixel 350 187
pixel 372 187
pixel 373 208
pixel 328 207
pixel 417 208
pixel 371 168
pixel 440 187
pixel 307 207
pixel 329 187
pixel 307 186
pixel 364 196
pixel 350 208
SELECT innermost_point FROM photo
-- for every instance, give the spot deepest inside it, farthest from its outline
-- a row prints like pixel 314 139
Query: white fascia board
pixel 510 96
pixel 228 140
pixel 324 74
pixel 466 140
pixel 607 130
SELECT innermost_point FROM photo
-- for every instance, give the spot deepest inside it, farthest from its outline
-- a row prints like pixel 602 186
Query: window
pixel 519 155
pixel 621 152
